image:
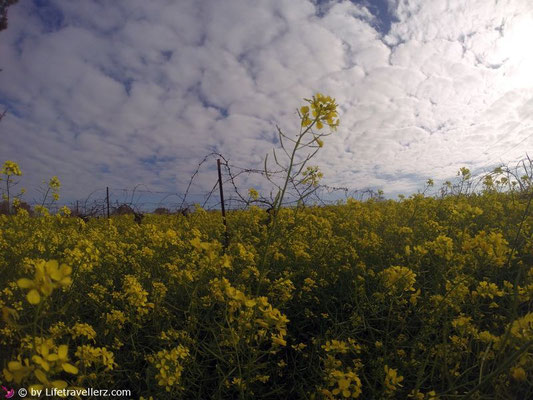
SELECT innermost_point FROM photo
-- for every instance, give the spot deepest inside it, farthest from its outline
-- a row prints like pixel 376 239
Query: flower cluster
pixel 83 330
pixel 323 110
pixel 54 185
pixel 311 176
pixel 135 296
pixel 95 356
pixel 345 384
pixel 49 275
pixel 169 365
pixel 399 279
pixel 48 360
pixel 255 316
pixel 341 381
pixel 392 379
pixel 10 168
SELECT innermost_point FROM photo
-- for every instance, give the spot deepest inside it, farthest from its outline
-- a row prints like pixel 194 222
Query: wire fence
pixel 161 202
pixel 141 199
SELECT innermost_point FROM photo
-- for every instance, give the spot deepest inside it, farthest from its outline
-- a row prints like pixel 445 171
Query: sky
pixel 135 94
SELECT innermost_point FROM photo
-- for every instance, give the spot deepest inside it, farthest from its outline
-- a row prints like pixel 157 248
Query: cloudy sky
pixel 120 93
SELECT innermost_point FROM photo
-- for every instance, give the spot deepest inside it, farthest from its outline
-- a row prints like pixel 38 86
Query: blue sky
pixel 133 92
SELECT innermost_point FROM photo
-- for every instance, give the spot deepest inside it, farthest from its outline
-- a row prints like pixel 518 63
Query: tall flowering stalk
pixel 10 170
pixel 321 111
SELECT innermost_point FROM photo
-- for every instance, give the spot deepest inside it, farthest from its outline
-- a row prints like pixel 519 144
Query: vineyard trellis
pixel 105 201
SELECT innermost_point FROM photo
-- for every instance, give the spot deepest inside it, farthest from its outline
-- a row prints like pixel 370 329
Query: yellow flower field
pixel 420 298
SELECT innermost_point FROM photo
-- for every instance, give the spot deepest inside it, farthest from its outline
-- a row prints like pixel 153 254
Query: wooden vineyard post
pixel 107 200
pixel 226 238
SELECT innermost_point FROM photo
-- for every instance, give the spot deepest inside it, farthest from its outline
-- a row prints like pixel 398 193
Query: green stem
pixel 279 202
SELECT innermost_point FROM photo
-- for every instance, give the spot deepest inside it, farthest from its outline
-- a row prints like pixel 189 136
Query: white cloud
pixel 145 90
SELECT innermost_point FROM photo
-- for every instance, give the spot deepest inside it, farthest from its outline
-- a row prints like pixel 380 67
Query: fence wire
pixel 236 184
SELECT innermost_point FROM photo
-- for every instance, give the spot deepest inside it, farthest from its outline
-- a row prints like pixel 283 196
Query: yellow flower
pixel 82 330
pixel 336 346
pixel 392 379
pixel 278 340
pixel 311 175
pixel 54 183
pixel 89 355
pixel 299 346
pixel 523 327
pixel 44 358
pixel 169 364
pixel 48 276
pixel 518 374
pixel 324 111
pixel 306 121
pixel 347 383
pixel 398 279
pixel 48 360
pixel 253 194
pixel 10 168
pixel 418 395
pixel 17 370
pixel 136 296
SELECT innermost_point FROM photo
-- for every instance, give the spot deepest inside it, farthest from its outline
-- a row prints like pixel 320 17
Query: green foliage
pixel 428 298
